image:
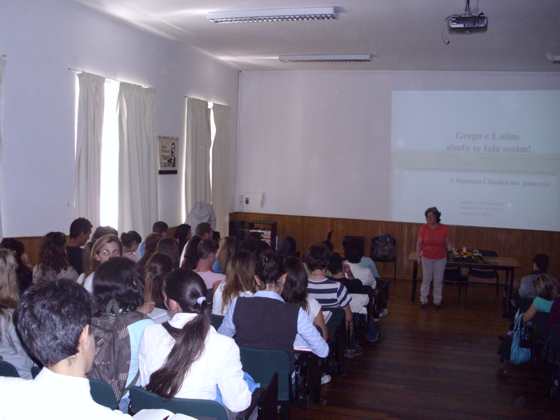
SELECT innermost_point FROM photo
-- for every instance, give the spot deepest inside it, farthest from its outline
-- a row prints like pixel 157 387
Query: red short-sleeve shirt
pixel 434 246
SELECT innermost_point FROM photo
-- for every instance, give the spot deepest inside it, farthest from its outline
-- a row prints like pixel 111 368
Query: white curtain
pixel 197 171
pixel 220 168
pixel 91 105
pixel 138 198
pixel 2 66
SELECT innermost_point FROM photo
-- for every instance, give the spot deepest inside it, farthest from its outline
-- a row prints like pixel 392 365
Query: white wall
pixel 42 39
pixel 319 143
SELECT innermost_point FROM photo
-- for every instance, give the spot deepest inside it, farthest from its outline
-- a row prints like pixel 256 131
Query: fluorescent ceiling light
pixel 274 15
pixel 325 58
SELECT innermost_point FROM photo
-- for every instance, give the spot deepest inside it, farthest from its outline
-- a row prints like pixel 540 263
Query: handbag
pixel 519 354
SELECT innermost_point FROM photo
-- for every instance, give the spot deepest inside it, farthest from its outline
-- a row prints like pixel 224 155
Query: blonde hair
pixel 9 293
pixel 100 243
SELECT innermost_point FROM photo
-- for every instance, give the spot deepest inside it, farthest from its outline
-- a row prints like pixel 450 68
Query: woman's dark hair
pixel 288 247
pixel 269 268
pixel 336 264
pixel 541 261
pixel 168 246
pixel 261 247
pixel 121 279
pixel 435 212
pixel 295 286
pixel 240 276
pixel 157 267
pixel 546 287
pixel 53 252
pixel 182 235
pixel 128 237
pixel 191 253
pixel 317 256
pixel 248 245
pixel 22 270
pixel 354 250
pixel 187 289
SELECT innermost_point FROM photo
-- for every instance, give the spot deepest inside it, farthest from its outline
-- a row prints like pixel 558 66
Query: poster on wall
pixel 168 149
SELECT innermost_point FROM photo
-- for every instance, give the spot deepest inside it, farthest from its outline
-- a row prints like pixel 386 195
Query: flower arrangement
pixel 464 255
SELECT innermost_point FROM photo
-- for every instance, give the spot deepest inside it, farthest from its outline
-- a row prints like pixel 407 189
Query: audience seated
pixel 295 291
pixel 182 236
pixel 122 280
pixel 354 253
pixel 186 357
pixel 227 247
pixel 159 228
pixel 240 281
pixel 10 347
pixel 288 247
pixel 546 288
pixel 527 286
pixel 203 231
pixel 189 260
pixel 53 262
pixel 168 246
pixel 86 252
pixel 53 320
pixel 80 231
pixel 206 250
pixel 106 247
pixel 265 321
pixel 151 244
pixel 157 268
pixel 360 294
pixel 130 242
pixel 24 269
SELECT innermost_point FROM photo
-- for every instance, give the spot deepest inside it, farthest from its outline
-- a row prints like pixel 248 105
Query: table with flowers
pixel 465 258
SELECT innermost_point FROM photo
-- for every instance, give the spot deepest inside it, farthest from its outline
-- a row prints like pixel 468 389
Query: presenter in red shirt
pixel 431 252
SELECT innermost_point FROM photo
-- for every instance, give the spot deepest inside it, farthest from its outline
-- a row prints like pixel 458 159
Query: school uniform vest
pixel 264 323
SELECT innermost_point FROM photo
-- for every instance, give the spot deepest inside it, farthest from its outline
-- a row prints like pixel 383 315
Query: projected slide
pixel 484 158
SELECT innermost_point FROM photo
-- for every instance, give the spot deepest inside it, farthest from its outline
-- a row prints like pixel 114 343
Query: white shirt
pixel 217 301
pixel 87 282
pixel 51 397
pixel 219 364
pixel 364 274
pixel 210 278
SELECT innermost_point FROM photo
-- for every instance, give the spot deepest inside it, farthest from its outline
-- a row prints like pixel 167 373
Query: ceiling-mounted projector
pixel 467 23
pixel 470 22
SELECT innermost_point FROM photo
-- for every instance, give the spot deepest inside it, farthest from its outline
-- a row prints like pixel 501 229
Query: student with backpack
pixel 118 289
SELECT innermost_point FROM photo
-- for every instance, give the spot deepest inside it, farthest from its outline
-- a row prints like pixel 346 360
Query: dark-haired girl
pixel 295 291
pixel 53 261
pixel 265 321
pixel 186 357
pixel 131 241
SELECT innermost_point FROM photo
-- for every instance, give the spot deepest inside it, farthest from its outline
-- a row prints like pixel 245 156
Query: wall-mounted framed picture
pixel 168 151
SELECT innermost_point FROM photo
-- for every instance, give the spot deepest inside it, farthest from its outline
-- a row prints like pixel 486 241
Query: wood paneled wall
pixel 521 244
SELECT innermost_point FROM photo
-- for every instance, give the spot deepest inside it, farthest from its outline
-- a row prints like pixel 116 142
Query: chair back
pixel 553 345
pixel 216 320
pixel 142 399
pixel 487 253
pixel 7 369
pixel 103 394
pixel 262 364
pixel 35 371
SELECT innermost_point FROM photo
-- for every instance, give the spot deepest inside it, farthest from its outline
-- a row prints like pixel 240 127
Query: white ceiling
pixel 400 34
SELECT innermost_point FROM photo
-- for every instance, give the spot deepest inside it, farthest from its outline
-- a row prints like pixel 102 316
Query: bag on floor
pixel 519 354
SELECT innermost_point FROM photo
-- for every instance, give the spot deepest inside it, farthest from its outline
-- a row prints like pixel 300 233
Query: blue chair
pixel 265 398
pixel 103 394
pixel 7 369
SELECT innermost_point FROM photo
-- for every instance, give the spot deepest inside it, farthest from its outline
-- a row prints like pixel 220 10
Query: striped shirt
pixel 329 293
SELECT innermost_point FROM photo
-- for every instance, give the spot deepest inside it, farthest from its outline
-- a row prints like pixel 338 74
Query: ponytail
pixel 188 289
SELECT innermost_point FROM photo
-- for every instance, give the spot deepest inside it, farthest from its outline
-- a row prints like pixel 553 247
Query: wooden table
pixel 506 264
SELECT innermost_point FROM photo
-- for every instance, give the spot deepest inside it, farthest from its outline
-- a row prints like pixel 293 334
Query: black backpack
pixel 112 347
